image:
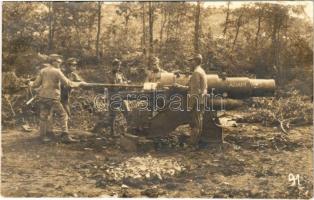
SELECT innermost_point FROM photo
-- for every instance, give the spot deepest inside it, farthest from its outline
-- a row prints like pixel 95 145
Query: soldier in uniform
pixel 48 81
pixel 197 89
pixel 71 74
pixel 154 74
pixel 118 76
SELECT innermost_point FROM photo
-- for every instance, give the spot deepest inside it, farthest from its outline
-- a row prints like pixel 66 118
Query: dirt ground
pixel 254 162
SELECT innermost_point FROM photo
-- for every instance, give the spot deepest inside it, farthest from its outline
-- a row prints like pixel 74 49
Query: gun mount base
pixel 132 143
pixel 212 132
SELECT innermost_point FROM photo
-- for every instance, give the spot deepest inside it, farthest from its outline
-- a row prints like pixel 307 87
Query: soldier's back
pixel 50 74
pixel 50 82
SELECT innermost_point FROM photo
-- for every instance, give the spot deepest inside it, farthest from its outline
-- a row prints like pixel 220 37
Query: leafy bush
pixel 289 109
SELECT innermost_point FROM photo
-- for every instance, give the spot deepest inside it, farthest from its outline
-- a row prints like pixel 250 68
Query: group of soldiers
pixel 55 84
pixel 51 100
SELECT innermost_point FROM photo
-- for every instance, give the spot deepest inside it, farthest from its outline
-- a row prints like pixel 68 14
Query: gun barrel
pixel 222 103
pixel 233 87
pixel 241 87
pixel 263 87
pixel 109 85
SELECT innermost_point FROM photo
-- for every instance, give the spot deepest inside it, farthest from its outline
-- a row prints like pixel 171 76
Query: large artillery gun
pixel 152 110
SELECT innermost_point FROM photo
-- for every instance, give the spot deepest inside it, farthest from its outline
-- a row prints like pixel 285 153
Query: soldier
pixel 197 89
pixel 71 74
pixel 118 77
pixel 49 80
pixel 154 74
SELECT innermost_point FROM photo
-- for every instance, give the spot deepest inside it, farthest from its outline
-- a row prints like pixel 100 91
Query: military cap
pixel 155 60
pixel 71 61
pixel 55 57
pixel 45 65
pixel 198 57
pixel 116 61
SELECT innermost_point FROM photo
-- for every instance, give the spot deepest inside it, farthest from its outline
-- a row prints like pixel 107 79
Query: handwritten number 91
pixel 294 179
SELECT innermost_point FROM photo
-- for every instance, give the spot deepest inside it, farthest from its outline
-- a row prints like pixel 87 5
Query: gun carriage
pixel 156 109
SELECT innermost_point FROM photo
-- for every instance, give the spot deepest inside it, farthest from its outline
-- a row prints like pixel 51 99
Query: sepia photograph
pixel 157 99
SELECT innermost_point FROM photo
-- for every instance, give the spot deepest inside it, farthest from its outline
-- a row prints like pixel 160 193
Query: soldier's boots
pixel 51 135
pixel 67 139
pixel 48 137
pixel 194 137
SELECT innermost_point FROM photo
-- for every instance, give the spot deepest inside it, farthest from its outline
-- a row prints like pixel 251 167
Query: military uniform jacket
pixel 197 86
pixel 66 91
pixel 73 76
pixel 119 78
pixel 49 80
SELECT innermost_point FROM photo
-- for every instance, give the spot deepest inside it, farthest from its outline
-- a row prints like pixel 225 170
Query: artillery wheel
pixel 119 124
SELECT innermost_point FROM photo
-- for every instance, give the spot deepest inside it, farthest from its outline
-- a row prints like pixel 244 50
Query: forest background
pixel 263 40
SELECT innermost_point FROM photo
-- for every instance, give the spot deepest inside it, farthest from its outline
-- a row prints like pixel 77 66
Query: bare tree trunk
pixel 197 27
pixel 258 30
pixel 280 68
pixel 144 47
pixel 151 28
pixel 163 23
pixel 274 42
pixel 98 30
pixel 127 18
pixel 237 31
pixel 51 28
pixel 276 48
pixel 78 32
pixel 168 26
pixel 143 26
pixel 177 18
pixel 227 19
